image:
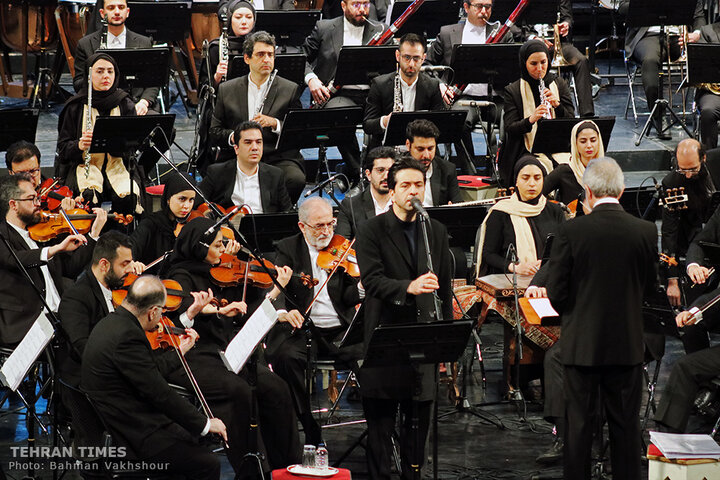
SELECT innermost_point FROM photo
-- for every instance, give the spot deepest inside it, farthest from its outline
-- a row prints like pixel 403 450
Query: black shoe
pixel 663 128
pixel 553 454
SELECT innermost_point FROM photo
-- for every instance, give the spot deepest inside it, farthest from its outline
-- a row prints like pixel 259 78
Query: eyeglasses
pixel 380 170
pixel 410 58
pixel 480 6
pixel 32 171
pixel 34 199
pixel 322 226
pixel 689 170
pixel 360 4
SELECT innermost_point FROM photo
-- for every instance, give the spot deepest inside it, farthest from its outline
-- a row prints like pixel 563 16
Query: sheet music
pixel 241 347
pixel 543 307
pixel 32 345
pixel 673 445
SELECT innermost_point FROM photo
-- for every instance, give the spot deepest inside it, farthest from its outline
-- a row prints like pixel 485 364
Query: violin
pixel 204 210
pixel 77 220
pixel 165 336
pixel 339 254
pixel 173 300
pixel 51 193
pixel 232 271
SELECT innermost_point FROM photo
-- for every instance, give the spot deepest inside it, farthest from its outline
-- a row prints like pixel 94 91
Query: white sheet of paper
pixel 543 307
pixel 257 326
pixel 32 345
pixel 675 445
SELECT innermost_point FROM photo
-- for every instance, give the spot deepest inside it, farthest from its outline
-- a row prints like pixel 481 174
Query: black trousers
pixel 685 378
pixel 620 388
pixel 554 406
pixel 581 72
pixel 650 52
pixel 294 178
pixel 381 415
pixel 349 151
pixel 193 462
pixel 709 106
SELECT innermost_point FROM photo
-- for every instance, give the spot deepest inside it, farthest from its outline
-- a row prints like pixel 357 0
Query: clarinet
pixel 87 156
pixel 397 95
pixel 104 33
pixel 224 53
pixel 544 100
pixel 260 106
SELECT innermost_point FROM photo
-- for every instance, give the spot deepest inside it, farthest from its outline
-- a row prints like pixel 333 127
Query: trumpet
pixel 559 59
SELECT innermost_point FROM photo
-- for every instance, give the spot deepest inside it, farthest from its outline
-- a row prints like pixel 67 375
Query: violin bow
pixel 67 219
pixel 332 272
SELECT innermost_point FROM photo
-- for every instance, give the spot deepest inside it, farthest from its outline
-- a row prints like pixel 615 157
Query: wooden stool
pixel 661 468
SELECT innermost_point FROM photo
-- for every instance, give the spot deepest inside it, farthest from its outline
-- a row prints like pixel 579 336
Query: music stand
pixel 359 65
pixel 449 122
pixel 175 22
pixel 428 19
pixel 290 27
pixel 703 63
pixel 290 66
pixel 538 11
pixel 494 64
pixel 553 135
pixel 648 13
pixel 142 67
pixel 17 124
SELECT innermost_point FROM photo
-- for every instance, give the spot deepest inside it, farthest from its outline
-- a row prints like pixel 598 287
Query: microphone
pixel 212 229
pixel 473 103
pixel 434 68
pixel 322 184
pixel 146 142
pixel 418 206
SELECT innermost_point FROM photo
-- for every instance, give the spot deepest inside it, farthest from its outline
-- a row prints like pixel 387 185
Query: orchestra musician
pixel 421 142
pixel 330 315
pixel 23 158
pixel 680 226
pixel 585 144
pixel 398 287
pixel 128 388
pixel 118 36
pixel 606 254
pixel 106 178
pixel 196 251
pixel 46 265
pixel 523 220
pixel 407 90
pixel 239 24
pixel 155 234
pixel 258 5
pixel 257 184
pixel 375 200
pixel 523 107
pixel 264 98
pixel 322 48
pixel 648 47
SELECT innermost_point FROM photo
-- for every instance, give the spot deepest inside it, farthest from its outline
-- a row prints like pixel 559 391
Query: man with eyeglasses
pixel 46 265
pixel 375 200
pixel 417 90
pixel 330 315
pixel 322 48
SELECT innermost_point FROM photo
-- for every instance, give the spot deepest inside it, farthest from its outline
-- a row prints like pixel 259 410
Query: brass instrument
pixel 224 53
pixel 559 59
pixel 87 156
pixel 544 100
pixel 397 95
pixel 713 88
pixel 260 106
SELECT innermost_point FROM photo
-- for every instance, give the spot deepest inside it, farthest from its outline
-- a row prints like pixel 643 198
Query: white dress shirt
pixel 107 295
pixel 114 42
pixel 474 35
pixel 258 4
pixel 52 296
pixel 256 94
pixel 352 37
pixel 409 93
pixel 428 199
pixel 323 312
pixel 247 190
pixel 379 209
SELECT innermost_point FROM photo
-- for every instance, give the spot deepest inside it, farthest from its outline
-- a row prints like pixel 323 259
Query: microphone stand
pixel 516 394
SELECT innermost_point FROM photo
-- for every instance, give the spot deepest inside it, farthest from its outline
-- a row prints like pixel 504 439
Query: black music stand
pixel 290 66
pixel 703 63
pixel 319 128
pixel 494 64
pixel 142 67
pixel 449 122
pixel 359 65
pixel 416 344
pixel 290 27
pixel 538 11
pixel 428 19
pixel 17 124
pixel 648 13
pixel 175 22
pixel 553 135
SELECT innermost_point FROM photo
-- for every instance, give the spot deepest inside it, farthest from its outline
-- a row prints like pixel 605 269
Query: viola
pixel 51 193
pixel 53 224
pixel 232 271
pixel 339 254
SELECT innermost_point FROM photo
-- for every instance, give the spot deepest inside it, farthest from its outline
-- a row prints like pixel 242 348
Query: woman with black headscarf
pixel 240 23
pixel 155 234
pixel 106 178
pixel 229 395
pixel 523 220
pixel 522 107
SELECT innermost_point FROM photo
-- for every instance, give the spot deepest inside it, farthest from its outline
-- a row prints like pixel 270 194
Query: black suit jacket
pixel 381 98
pixel 323 45
pixel 710 33
pixel 710 233
pixel 444 183
pixel 231 110
pixel 19 305
pixel 128 388
pixel 386 270
pixel 601 266
pixel 358 207
pixel 440 52
pixel 91 43
pixel 219 183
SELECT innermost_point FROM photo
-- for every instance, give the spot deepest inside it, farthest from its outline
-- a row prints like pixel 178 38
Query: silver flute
pixel 88 123
pixel 259 108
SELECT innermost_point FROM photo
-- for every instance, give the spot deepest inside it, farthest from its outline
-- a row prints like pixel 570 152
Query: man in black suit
pixel 47 265
pixel 322 48
pixel 240 100
pixel 415 90
pixel 601 266
pixel 421 142
pixel 646 46
pixel 131 395
pixel 118 36
pixel 254 183
pixel 331 313
pixel 398 288
pixel 375 200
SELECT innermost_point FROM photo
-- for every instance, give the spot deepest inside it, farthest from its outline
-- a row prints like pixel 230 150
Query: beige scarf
pixel 519 212
pixel 117 174
pixel 529 107
pixel 576 164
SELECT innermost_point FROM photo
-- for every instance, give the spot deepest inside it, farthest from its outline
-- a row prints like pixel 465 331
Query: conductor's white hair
pixel 604 177
pixel 310 205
